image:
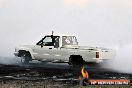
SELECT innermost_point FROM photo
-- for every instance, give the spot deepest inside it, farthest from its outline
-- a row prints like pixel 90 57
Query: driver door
pixel 43 49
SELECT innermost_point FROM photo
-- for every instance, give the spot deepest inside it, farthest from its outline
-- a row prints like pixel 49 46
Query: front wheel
pixel 25 58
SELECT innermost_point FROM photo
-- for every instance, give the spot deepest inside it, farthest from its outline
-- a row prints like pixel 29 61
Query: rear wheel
pixel 76 60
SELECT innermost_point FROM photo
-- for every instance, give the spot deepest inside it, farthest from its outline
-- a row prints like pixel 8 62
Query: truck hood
pixel 28 46
pixel 23 47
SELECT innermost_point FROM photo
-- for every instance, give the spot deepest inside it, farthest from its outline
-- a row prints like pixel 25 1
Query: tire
pixel 71 62
pixel 76 60
pixel 25 58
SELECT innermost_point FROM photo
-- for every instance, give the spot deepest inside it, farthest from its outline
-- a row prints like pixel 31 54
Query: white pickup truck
pixel 63 48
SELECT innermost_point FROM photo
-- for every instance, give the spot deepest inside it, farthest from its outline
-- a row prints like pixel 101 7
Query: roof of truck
pixel 60 35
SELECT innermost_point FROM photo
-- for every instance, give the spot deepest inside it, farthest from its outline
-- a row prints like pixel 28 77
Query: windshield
pixel 69 40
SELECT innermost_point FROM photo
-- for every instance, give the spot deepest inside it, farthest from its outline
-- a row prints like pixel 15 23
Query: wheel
pixel 25 58
pixel 72 62
pixel 76 60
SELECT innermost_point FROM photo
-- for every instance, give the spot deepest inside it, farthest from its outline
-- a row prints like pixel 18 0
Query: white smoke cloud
pixel 123 60
pixel 79 3
pixel 10 60
pixel 2 3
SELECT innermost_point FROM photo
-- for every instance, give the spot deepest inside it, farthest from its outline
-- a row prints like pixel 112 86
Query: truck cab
pixel 58 41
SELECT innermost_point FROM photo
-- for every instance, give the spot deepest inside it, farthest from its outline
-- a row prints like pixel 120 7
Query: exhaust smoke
pixel 10 61
pixel 123 60
pixel 3 3
pixel 79 3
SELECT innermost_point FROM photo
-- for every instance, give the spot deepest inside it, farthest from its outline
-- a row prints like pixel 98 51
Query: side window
pixel 66 40
pixel 69 40
pixel 47 41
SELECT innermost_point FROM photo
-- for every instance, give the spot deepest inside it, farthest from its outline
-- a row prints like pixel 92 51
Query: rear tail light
pixel 97 54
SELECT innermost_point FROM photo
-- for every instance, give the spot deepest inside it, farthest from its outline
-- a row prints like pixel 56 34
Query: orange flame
pixel 84 73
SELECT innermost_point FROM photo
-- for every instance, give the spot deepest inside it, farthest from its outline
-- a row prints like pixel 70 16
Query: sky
pixel 94 22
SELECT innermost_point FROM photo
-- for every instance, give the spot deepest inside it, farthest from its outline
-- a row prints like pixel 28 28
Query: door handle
pixel 50 48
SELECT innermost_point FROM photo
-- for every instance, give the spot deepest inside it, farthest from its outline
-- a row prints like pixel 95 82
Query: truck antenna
pixel 52 32
pixel 52 37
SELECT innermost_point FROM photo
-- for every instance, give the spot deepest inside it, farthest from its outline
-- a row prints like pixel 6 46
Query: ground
pixel 47 84
pixel 35 84
pixel 44 76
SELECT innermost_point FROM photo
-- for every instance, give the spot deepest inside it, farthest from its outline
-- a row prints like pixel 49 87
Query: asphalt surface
pixel 38 70
pixel 48 75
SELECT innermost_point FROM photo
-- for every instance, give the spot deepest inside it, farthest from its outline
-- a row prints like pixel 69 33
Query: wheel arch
pixel 72 55
pixel 76 58
pixel 25 51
